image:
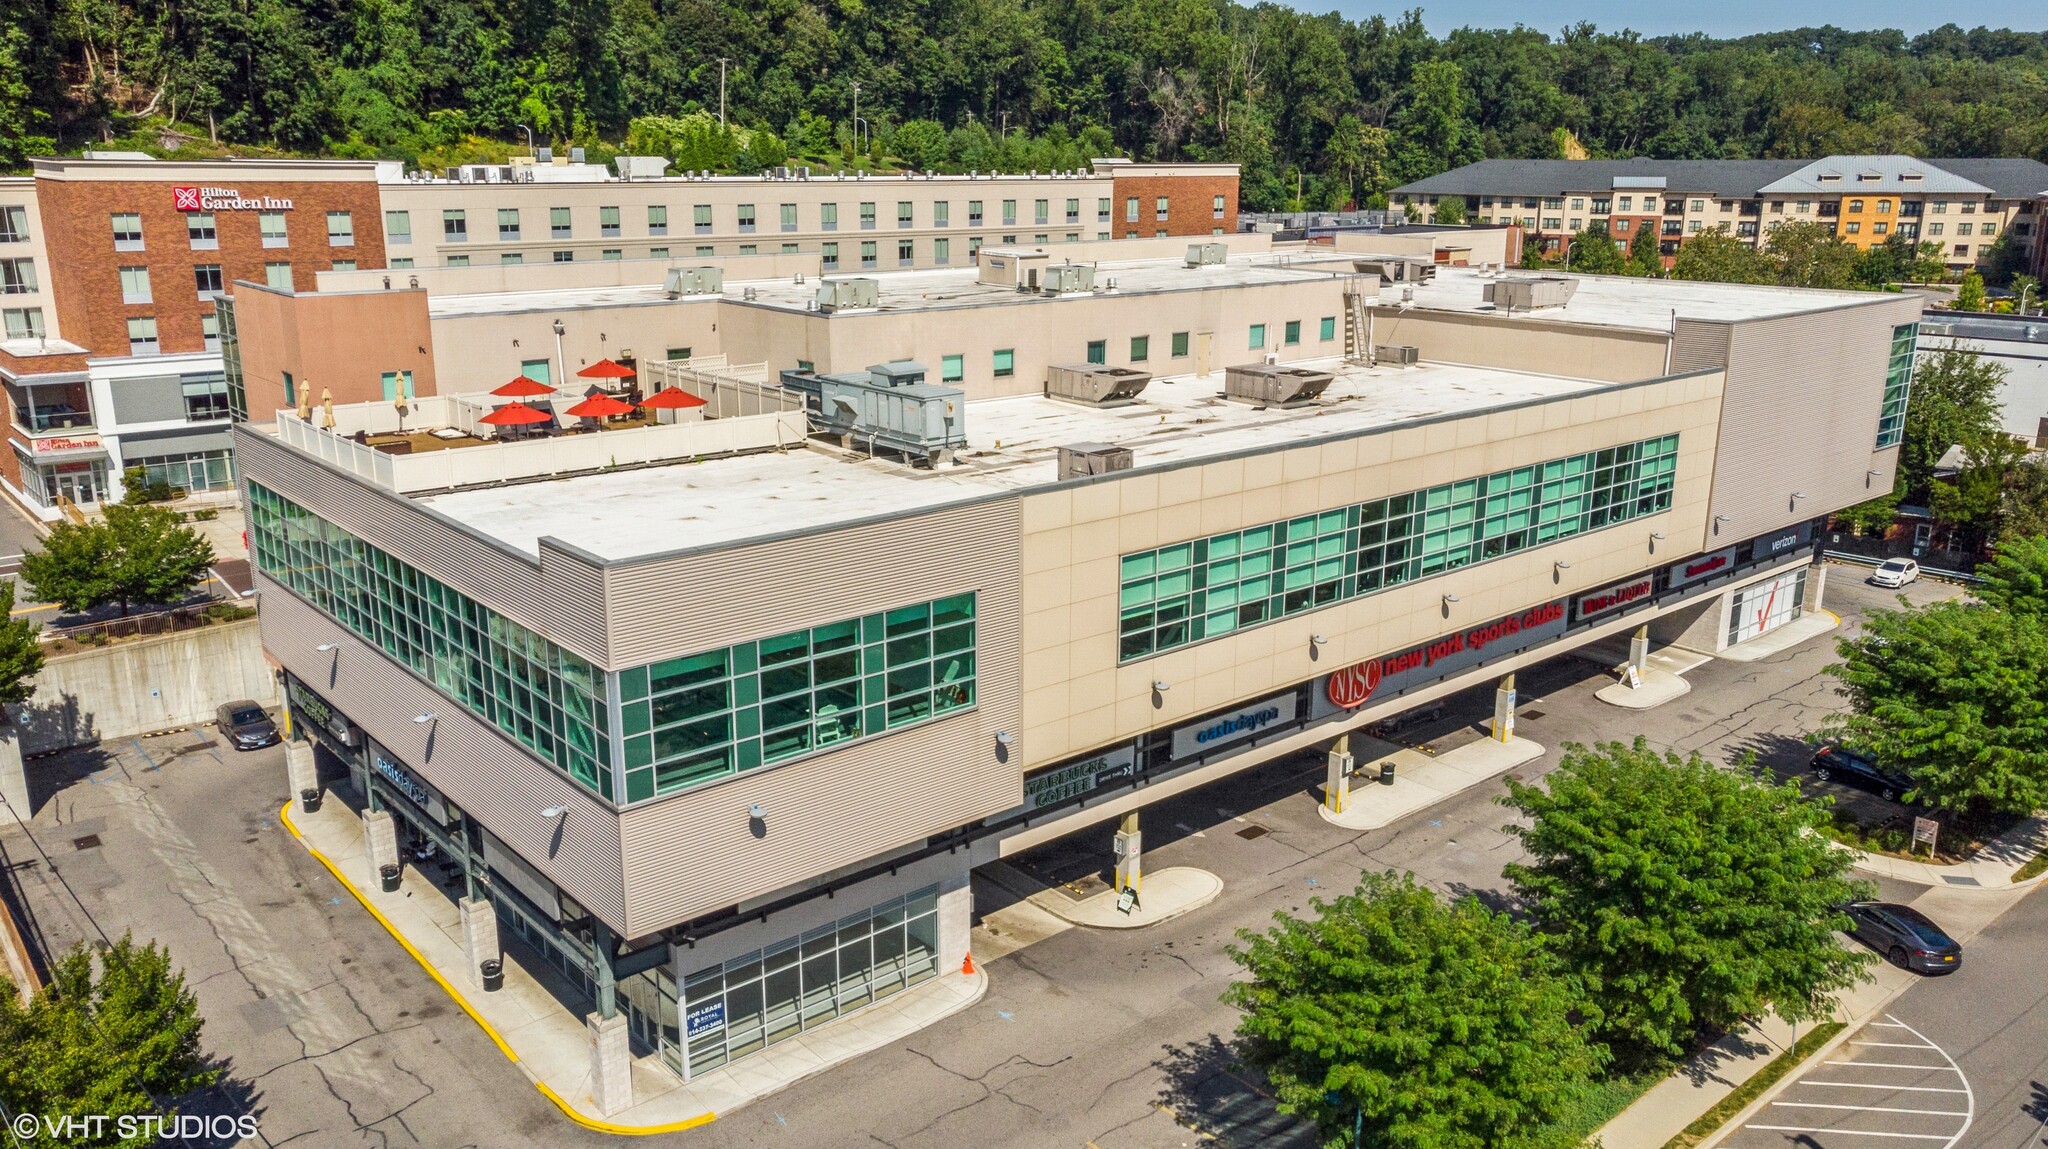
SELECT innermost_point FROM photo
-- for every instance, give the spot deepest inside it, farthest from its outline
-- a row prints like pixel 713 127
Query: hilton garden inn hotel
pixel 719 712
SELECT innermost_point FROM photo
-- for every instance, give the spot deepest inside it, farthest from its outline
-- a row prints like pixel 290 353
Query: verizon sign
pixel 185 197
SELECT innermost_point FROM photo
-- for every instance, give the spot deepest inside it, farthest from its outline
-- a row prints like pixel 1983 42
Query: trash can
pixel 389 873
pixel 1386 772
pixel 309 800
pixel 493 972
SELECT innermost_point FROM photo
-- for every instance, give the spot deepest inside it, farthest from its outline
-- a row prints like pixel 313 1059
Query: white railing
pixel 728 391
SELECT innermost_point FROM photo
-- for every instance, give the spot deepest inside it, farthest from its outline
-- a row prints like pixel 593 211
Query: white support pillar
pixel 1638 657
pixel 1129 846
pixel 479 936
pixel 611 1063
pixel 955 920
pixel 301 774
pixel 381 835
pixel 1816 585
pixel 13 772
pixel 1337 785
pixel 1504 710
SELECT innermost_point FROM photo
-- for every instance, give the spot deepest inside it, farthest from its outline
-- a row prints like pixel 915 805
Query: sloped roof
pixel 1871 174
pixel 1722 178
pixel 2008 179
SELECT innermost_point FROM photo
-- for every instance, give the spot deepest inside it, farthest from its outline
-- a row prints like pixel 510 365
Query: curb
pixel 284 815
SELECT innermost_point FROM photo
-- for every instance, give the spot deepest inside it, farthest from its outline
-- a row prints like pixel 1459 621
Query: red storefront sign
pixel 1616 597
pixel 1461 649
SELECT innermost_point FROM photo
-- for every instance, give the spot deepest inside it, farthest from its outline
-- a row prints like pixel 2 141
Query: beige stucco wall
pixel 1076 697
pixel 21 192
pixel 477 352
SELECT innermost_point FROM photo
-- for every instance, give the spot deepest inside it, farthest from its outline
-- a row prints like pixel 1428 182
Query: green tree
pixel 1643 258
pixel 1451 210
pixel 21 654
pixel 1952 694
pixel 139 554
pixel 120 1036
pixel 1433 1026
pixel 1714 256
pixel 1954 399
pixel 1688 897
pixel 2026 501
pixel 1973 501
pixel 1970 296
pixel 2016 578
pixel 1809 254
pixel 1594 252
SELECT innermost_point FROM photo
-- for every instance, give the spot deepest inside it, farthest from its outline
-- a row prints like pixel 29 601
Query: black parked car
pixel 1904 936
pixel 1835 762
pixel 246 725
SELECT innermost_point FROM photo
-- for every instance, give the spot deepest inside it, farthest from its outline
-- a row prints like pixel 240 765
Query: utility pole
pixel 856 122
pixel 721 91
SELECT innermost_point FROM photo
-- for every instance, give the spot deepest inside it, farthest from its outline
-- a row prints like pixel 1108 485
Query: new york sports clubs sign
pixel 1354 686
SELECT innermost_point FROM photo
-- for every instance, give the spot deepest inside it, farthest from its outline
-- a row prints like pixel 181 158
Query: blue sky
pixel 1719 18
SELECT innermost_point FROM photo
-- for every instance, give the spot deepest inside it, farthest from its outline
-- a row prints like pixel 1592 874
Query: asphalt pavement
pixel 1115 1040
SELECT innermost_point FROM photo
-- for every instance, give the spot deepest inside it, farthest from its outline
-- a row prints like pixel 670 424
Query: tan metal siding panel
pixel 561 596
pixel 694 853
pixel 1699 345
pixel 480 770
pixel 1800 414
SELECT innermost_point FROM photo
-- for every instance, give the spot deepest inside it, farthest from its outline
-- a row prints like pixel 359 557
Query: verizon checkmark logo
pixel 185 198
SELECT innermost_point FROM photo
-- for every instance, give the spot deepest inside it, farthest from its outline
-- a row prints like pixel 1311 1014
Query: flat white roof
pixel 630 514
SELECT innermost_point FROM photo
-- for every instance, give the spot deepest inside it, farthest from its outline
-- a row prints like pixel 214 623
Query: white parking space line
pixel 1894 1044
pixel 1869 1108
pixel 1848 1132
pixel 1880 1064
pixel 1888 1117
pixel 1892 1088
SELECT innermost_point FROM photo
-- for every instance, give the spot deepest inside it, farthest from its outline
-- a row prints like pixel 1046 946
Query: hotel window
pixel 1935 227
pixel 867 253
pixel 789 217
pixel 1578 203
pixel 1160 208
pixel 1258 336
pixel 13 223
pixel 828 257
pixel 507 258
pixel 1102 210
pixel 867 216
pixel 1987 229
pixel 127 231
pixel 135 285
pixel 1777 207
pixel 22 322
pixel 1962 249
pixel 1141 348
pixel 903 213
pixel 1098 351
pixel 455 226
pixel 1073 211
pixel 1649 203
pixel 942 251
pixel 612 253
pixel 706 249
pixel 1939 207
pixel 206 397
pixel 1291 334
pixel 700 214
pixel 750 249
pixel 1855 205
pixel 209 332
pixel 207 279
pixel 1697 205
pixel 974 213
pixel 456 261
pixel 508 224
pixel 1131 210
pixel 1884 207
pixel 1803 206
pixel 142 337
pixel 1180 345
pixel 397 227
pixel 1552 223
pixel 564 257
pixel 789 249
pixel 952 368
pixel 828 217
pixel 608 223
pixel 657 219
pixel 1962 229
pixel 1599 206
pixel 1969 209
pixel 1855 228
pixel 906 253
pixel 278 275
pixel 1327 328
pixel 17 276
pixel 560 226
pixel 1692 227
pixel 1626 204
pixel 276 232
pixel 343 265
pixel 1005 362
pixel 1216 208
pixel 1576 224
pixel 973 247
pixel 199 229
pixel 746 214
pixel 1009 214
pixel 341 229
pixel 1880 227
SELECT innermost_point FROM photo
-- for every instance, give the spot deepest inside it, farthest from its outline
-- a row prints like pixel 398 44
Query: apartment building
pixel 717 712
pixel 1966 205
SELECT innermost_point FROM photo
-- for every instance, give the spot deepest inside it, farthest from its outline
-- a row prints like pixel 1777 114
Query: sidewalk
pixel 1162 896
pixel 1420 780
pixel 1701 1083
pixel 551 1044
pixel 1991 869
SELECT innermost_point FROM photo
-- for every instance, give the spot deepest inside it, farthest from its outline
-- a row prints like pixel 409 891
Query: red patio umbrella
pixel 600 407
pixel 606 369
pixel 670 399
pixel 515 415
pixel 523 388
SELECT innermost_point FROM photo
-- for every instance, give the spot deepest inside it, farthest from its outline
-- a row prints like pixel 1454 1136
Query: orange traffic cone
pixel 967 966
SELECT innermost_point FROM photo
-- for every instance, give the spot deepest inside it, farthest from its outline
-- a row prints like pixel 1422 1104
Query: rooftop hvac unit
pixel 921 420
pixel 683 281
pixel 1068 279
pixel 1206 254
pixel 1395 269
pixel 1396 354
pixel 1079 460
pixel 1275 386
pixel 1096 385
pixel 1529 292
pixel 575 155
pixel 847 294
pixel 641 167
pixel 543 155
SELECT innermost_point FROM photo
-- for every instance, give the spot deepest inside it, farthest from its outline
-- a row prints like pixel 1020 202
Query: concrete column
pixel 1816 584
pixel 1504 710
pixel 1129 847
pixel 1337 786
pixel 1638 658
pixel 479 936
pixel 382 836
pixel 955 920
pixel 300 772
pixel 13 773
pixel 611 1063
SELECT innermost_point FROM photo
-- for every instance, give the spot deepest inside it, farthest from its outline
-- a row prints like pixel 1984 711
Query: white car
pixel 1895 573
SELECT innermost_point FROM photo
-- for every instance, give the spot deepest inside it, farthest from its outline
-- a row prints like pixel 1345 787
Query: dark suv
pixel 1836 762
pixel 1904 936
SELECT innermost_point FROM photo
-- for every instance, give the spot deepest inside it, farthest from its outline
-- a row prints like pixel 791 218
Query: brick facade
pixel 86 281
pixel 1190 198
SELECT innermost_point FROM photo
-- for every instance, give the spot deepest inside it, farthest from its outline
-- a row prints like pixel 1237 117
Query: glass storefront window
pixel 1898 385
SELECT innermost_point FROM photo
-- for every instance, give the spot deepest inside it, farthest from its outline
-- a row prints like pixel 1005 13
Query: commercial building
pixel 2017 343
pixel 1965 205
pixel 110 264
pixel 717 712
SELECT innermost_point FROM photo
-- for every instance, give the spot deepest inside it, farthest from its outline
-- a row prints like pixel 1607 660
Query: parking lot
pixel 1888 1083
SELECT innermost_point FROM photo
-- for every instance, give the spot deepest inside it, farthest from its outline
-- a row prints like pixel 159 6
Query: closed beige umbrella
pixel 306 404
pixel 327 408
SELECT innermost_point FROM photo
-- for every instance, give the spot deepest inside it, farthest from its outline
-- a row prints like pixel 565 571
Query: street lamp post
pixel 561 364
pixel 721 91
pixel 856 120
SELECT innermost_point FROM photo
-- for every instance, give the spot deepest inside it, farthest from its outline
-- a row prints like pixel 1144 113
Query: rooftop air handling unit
pixel 1529 292
pixel 683 281
pixel 1207 254
pixel 1271 385
pixel 890 407
pixel 849 294
pixel 1095 385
